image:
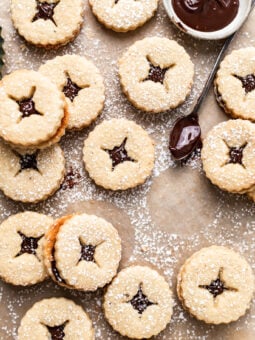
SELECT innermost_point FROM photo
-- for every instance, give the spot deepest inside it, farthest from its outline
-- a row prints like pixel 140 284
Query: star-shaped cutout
pixel 71 90
pixel 236 155
pixel 87 252
pixel 27 161
pixel 140 302
pixel 57 332
pixel 248 82
pixel 27 105
pixel 119 154
pixel 217 286
pixel 45 11
pixel 29 245
pixel 156 73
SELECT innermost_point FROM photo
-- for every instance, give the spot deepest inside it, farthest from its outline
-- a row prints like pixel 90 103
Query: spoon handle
pixel 214 69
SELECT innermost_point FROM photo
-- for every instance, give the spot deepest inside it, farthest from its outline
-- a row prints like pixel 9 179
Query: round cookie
pixel 21 248
pixel 56 318
pixel 156 74
pixel 82 252
pixel 216 285
pixel 123 15
pixel 32 110
pixel 228 155
pixel 235 84
pixel 47 23
pixel 31 176
pixel 80 81
pixel 118 154
pixel 138 303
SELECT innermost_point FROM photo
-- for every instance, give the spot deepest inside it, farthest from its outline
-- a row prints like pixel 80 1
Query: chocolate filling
pixel 71 90
pixel 156 74
pixel 28 161
pixel 45 11
pixel 57 332
pixel 140 302
pixel 87 252
pixel 55 269
pixel 28 245
pixel 236 155
pixel 248 82
pixel 119 154
pixel 27 108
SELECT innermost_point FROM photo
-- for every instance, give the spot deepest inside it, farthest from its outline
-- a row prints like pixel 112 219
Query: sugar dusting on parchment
pixel 163 249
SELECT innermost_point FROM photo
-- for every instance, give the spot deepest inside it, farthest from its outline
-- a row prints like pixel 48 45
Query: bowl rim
pixel 243 12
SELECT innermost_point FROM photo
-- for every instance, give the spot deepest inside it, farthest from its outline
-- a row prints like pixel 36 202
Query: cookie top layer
pixel 228 155
pixel 80 81
pixel 123 15
pixel 47 23
pixel 21 248
pixel 31 108
pixel 138 303
pixel 82 252
pixel 235 83
pixel 56 318
pixel 30 176
pixel 156 74
pixel 119 154
pixel 216 285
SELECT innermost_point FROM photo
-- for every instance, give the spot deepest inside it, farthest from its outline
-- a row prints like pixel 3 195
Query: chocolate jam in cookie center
pixel 119 154
pixel 236 155
pixel 71 90
pixel 28 245
pixel 156 74
pixel 140 302
pixel 45 11
pixel 28 161
pixel 87 252
pixel 27 108
pixel 57 332
pixel 248 82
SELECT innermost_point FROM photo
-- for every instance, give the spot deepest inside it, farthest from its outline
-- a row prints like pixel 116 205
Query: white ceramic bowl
pixel 243 11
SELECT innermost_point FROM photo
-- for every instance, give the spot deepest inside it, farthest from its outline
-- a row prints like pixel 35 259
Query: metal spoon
pixel 186 132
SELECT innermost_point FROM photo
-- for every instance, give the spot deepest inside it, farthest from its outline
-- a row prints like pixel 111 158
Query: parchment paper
pixel 161 223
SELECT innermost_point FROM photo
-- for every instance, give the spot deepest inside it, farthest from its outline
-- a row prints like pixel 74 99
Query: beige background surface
pixel 164 221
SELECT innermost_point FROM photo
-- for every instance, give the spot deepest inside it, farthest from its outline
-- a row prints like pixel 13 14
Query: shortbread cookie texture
pixel 32 110
pixel 56 318
pixel 21 248
pixel 82 252
pixel 83 87
pixel 156 74
pixel 138 303
pixel 123 15
pixel 228 155
pixel 119 154
pixel 216 285
pixel 235 84
pixel 31 176
pixel 47 23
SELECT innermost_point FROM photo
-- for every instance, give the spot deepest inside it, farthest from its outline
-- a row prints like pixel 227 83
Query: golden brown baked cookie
pixel 47 23
pixel 138 303
pixel 82 252
pixel 156 74
pixel 32 110
pixel 31 176
pixel 216 285
pixel 123 15
pixel 228 155
pixel 83 87
pixel 56 318
pixel 119 154
pixel 21 248
pixel 235 84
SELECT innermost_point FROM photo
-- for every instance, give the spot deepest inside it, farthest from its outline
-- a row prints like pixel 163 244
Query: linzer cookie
pixel 156 74
pixel 31 176
pixel 82 85
pixel 235 84
pixel 123 15
pixel 56 319
pixel 47 23
pixel 21 248
pixel 82 252
pixel 119 154
pixel 138 303
pixel 32 110
pixel 228 155
pixel 216 285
